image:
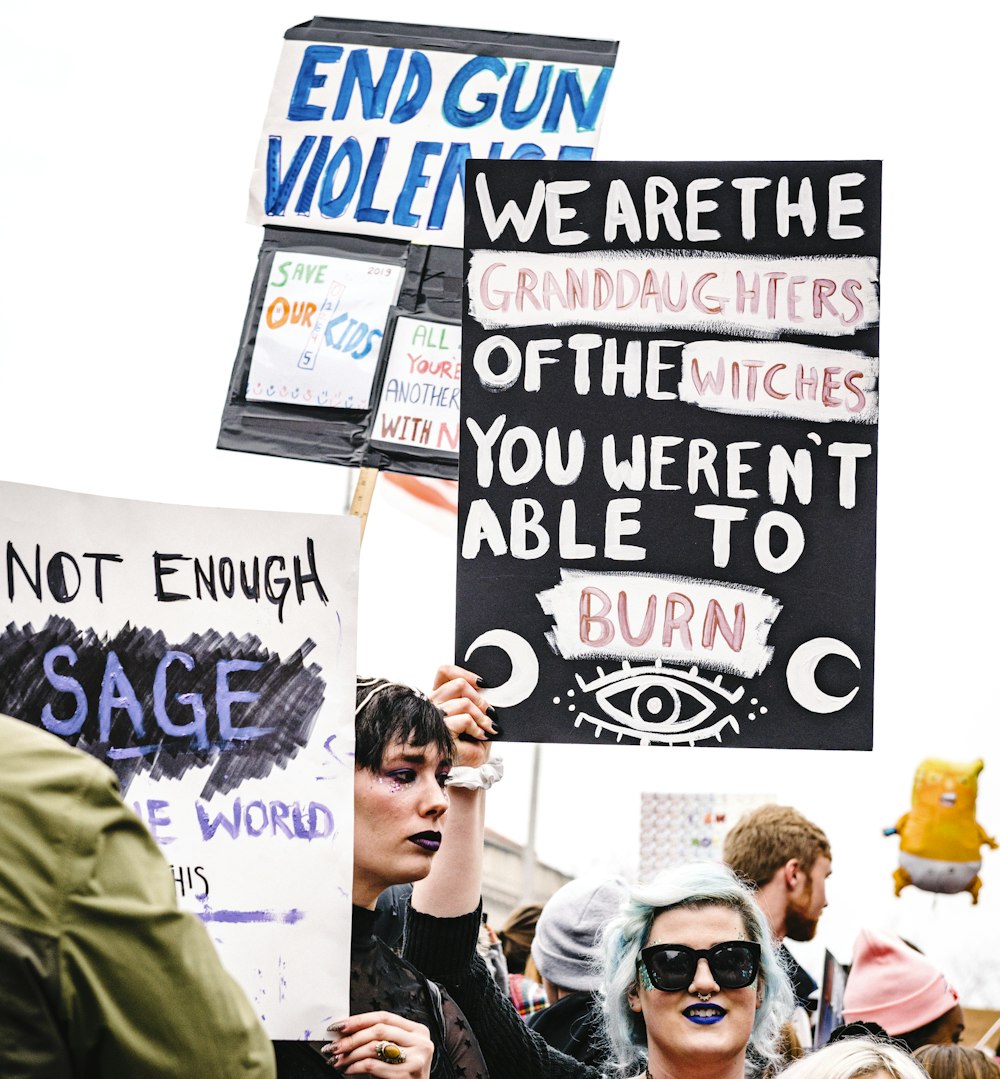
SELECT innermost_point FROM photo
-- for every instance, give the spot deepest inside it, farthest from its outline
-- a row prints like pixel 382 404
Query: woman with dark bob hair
pixel 401 1024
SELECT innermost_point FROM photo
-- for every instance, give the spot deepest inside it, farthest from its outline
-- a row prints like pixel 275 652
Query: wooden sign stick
pixel 362 500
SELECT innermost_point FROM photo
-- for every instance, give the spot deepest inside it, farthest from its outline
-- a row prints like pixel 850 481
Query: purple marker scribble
pixel 245 917
pixel 143 704
pixel 328 746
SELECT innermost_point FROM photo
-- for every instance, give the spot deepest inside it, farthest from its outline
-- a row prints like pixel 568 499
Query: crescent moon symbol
pixel 801 674
pixel 523 666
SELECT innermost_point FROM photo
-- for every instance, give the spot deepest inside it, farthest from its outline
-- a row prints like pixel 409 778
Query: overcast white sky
pixel 129 141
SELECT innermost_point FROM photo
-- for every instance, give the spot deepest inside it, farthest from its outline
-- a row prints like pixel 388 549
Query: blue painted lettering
pixel 314 821
pixel 585 111
pixel 514 118
pixel 329 204
pixel 374 96
pixel 355 336
pixel 260 826
pixel 279 188
pixel 453 111
pixel 416 178
pixel 452 170
pixel 365 210
pixel 416 87
pixel 350 177
pixel 117 693
pixel 576 153
pixel 198 727
pixel 65 684
pixel 307 80
pixel 226 697
pixel 304 203
pixel 316 825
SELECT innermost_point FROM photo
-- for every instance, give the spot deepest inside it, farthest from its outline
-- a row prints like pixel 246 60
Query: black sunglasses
pixel 671 967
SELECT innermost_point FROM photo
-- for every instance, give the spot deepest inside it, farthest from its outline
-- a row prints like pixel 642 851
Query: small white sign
pixel 321 329
pixel 420 405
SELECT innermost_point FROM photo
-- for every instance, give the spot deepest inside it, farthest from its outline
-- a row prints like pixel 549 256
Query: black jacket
pixel 573 1026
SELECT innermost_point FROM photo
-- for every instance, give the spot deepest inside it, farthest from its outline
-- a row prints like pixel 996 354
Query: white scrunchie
pixel 476 779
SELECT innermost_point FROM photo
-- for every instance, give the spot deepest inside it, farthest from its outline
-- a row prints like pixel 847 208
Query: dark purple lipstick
pixel 428 841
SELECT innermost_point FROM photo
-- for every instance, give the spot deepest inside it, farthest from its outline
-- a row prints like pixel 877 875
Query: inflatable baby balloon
pixel 939 839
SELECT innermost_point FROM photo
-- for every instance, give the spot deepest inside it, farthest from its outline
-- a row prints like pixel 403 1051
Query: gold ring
pixel 390 1053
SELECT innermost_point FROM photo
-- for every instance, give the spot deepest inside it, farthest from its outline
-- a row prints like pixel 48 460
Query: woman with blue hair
pixel 692 983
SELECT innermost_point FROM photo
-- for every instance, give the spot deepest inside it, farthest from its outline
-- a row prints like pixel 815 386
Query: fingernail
pixel 337 1026
pixel 481 683
pixel 497 731
pixel 491 712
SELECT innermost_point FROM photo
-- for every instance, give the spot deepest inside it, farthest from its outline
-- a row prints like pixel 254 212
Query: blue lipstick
pixel 704 1014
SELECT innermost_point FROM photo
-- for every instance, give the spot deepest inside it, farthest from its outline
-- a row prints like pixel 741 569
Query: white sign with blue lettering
pixel 374 140
pixel 207 656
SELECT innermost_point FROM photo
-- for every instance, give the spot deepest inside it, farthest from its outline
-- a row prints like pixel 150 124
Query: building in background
pixel 503 876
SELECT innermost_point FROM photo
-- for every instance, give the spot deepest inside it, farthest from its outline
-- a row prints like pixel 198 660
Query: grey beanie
pixel 565 944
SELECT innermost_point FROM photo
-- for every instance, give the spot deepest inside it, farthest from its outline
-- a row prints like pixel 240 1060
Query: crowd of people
pixel 685 976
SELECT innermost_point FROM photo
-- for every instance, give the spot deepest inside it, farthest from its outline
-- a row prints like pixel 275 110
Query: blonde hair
pixel 854 1058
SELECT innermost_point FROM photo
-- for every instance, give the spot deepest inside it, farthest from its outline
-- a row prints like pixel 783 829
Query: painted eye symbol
pixel 660 704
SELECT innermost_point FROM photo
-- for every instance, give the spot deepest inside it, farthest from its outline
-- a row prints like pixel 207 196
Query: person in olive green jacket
pixel 101 975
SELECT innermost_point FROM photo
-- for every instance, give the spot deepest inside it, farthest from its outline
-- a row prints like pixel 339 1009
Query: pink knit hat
pixel 893 985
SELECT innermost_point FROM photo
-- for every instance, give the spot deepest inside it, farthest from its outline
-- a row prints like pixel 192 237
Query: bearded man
pixel 786 858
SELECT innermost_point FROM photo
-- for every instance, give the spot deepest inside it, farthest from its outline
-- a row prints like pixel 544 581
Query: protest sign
pixel 323 323
pixel 370 124
pixel 308 354
pixel 677 828
pixel 667 476
pixel 367 134
pixel 419 404
pixel 207 656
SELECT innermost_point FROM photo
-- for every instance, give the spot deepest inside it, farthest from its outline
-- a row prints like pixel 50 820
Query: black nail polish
pixel 497 731
pixel 481 684
pixel 491 712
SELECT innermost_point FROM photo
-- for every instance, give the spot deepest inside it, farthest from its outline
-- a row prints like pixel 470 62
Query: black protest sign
pixel 667 475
